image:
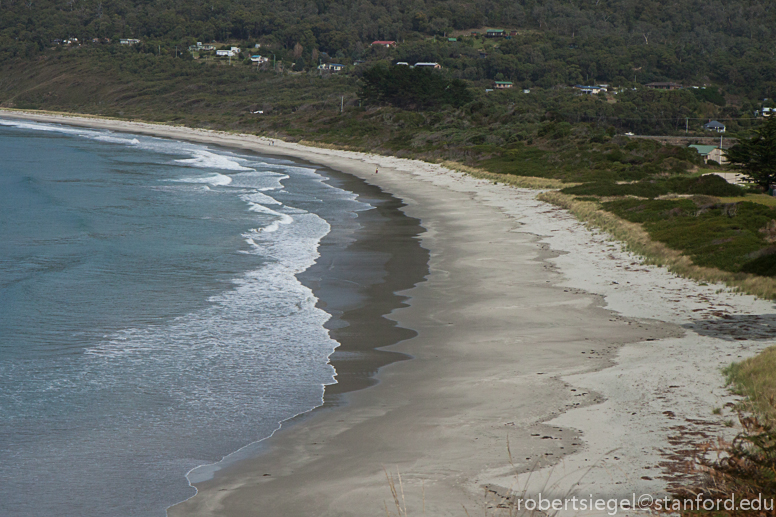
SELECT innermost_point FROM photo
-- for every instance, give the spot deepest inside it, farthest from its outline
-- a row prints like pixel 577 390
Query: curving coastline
pixel 529 326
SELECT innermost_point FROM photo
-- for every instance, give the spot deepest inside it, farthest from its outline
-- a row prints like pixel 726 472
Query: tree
pixel 756 156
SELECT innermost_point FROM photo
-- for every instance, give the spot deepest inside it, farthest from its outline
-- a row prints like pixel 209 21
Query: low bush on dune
pixel 710 185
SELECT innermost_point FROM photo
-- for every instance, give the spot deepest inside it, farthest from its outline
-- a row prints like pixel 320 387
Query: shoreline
pixel 354 279
pixel 530 328
pixel 356 283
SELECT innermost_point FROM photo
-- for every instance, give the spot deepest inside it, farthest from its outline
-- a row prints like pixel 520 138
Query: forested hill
pixel 702 26
pixel 731 43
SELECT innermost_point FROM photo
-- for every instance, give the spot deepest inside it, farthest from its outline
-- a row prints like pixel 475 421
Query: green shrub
pixel 708 185
pixel 762 266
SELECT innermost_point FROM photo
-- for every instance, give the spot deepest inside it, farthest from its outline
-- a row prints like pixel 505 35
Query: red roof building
pixel 385 43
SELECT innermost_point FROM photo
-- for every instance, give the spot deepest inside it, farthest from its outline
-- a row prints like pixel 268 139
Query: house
pixel 768 112
pixel 495 33
pixel 703 150
pixel 664 86
pixel 591 90
pixel 129 41
pixel 259 59
pixel 385 44
pixel 235 50
pixel 402 63
pixel 452 40
pixel 713 125
pixel 224 53
pixel 475 33
pixel 202 48
pixel 718 155
pixel 331 67
pixel 502 85
pixel 428 65
pixel 711 153
pixel 513 33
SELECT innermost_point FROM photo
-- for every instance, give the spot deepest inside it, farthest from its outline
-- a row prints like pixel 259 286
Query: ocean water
pixel 150 318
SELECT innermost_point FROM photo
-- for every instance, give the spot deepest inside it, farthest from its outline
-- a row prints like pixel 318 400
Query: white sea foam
pixel 210 160
pixel 260 180
pixel 117 140
pixel 258 197
pixel 214 179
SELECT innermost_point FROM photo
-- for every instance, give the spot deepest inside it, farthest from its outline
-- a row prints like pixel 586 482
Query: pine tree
pixel 756 156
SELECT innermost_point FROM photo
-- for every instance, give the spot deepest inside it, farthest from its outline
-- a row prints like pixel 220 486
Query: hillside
pixel 723 42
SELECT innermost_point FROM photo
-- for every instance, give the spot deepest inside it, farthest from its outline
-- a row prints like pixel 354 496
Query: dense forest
pixel 724 42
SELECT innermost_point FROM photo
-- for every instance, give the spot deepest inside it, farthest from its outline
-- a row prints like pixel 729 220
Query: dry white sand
pixel 533 329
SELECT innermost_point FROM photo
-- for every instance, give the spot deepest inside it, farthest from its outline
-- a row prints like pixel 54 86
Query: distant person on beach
pixel 375 171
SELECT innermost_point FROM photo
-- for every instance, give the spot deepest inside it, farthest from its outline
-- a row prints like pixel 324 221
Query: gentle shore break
pixel 532 329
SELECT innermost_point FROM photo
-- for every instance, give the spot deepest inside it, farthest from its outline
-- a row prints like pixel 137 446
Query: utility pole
pixel 342 104
pixel 274 64
pixel 686 125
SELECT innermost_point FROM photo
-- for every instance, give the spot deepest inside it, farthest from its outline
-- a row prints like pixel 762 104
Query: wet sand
pixel 356 279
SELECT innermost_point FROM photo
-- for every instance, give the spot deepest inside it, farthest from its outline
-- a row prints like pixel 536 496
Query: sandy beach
pixel 537 338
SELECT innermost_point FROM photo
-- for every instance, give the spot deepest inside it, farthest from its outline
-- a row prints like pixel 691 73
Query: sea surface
pixel 151 320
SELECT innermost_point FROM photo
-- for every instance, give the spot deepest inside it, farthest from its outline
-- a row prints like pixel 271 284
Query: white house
pixel 129 41
pixel 332 67
pixel 428 65
pixel 259 59
pixel 236 50
pixel 225 53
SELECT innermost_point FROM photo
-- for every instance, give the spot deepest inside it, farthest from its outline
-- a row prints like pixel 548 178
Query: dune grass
pixel 755 378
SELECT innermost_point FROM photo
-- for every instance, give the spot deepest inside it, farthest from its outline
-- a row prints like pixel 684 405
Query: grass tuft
pixel 529 182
